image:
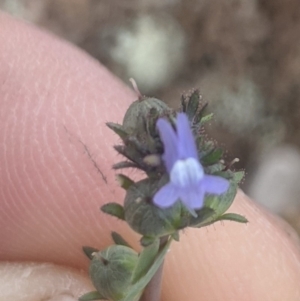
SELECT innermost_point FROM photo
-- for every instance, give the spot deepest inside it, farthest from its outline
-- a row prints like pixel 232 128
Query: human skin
pixel 54 102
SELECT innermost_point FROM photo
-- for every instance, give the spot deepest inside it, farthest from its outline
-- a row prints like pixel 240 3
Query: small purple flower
pixel 188 183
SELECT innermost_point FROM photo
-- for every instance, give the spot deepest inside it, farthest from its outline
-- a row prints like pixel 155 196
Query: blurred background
pixel 243 55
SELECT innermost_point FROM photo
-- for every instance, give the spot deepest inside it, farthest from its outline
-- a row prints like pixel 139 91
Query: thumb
pixel 45 281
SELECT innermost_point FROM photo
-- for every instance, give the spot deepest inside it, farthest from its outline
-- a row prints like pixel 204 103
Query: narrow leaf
pixel 92 296
pixel 204 215
pixel 119 240
pixel 221 203
pixel 207 118
pixel 125 164
pixel 213 157
pixel 146 259
pixel 193 104
pixel 88 251
pixel 200 114
pixel 232 217
pixel 124 181
pixel 206 147
pixel 114 209
pixel 118 129
pixel 238 176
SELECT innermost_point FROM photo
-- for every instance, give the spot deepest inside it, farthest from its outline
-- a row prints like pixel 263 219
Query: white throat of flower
pixel 186 172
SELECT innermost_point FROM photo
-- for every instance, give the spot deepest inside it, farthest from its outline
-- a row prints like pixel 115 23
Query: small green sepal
pixel 221 203
pixel 118 129
pixel 125 164
pixel 193 104
pixel 89 251
pixel 204 216
pixel 233 217
pixel 119 240
pixel 113 209
pixel 124 181
pixel 238 176
pixel 213 157
pixel 144 217
pixel 214 207
pixel 207 118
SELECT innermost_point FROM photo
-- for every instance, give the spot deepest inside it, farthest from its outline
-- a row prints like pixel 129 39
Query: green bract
pixel 146 218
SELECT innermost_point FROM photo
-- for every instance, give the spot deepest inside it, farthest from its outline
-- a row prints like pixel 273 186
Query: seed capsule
pixel 111 271
pixel 140 110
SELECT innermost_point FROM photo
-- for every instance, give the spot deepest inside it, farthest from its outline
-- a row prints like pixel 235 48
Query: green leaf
pixel 200 114
pixel 212 157
pixel 136 290
pixel 124 181
pixel 238 176
pixel 205 147
pixel 146 258
pixel 125 164
pixel 221 203
pixel 119 240
pixel 226 174
pixel 203 216
pixel 233 217
pixel 91 296
pixel 218 204
pixel 193 105
pixel 118 129
pixel 217 169
pixel 88 251
pixel 207 118
pixel 113 209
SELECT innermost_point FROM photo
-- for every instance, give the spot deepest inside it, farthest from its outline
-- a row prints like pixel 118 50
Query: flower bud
pixel 111 271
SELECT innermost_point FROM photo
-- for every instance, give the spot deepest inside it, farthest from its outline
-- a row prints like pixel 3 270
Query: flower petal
pixel 169 139
pixel 186 173
pixel 192 197
pixel 186 141
pixel 214 184
pixel 166 196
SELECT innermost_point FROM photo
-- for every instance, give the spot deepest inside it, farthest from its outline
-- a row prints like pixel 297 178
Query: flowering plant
pixel 186 184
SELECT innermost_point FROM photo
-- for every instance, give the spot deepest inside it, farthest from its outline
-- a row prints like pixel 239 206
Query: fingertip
pixel 231 261
pixel 57 154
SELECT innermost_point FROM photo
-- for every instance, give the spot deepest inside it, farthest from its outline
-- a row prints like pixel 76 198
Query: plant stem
pixel 153 289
